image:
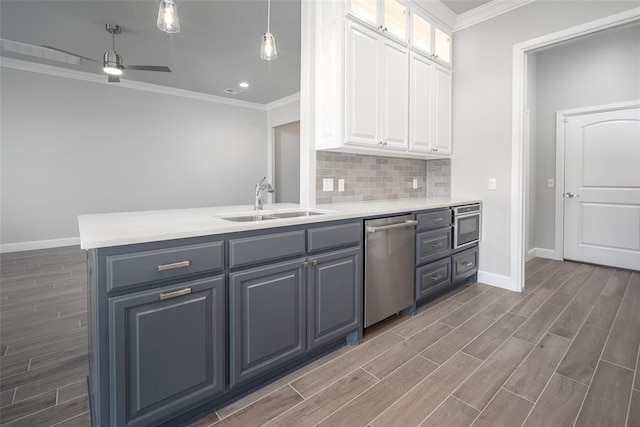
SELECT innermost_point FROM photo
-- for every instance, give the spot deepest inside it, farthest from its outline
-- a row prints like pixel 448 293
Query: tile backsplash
pixel 369 178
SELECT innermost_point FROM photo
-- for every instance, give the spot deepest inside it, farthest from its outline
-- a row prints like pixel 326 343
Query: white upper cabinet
pixel 429 106
pixel 430 38
pixel 387 16
pixel 376 90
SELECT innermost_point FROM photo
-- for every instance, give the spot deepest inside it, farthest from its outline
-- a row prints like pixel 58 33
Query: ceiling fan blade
pixel 71 53
pixel 148 68
pixel 114 79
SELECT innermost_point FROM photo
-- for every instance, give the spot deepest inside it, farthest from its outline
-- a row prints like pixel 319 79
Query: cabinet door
pixel 361 86
pixel 267 318
pixel 168 350
pixel 335 298
pixel 442 113
pixel 421 98
pixel 395 94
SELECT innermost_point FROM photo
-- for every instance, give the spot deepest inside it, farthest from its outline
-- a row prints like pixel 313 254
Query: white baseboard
pixel 497 280
pixel 39 244
pixel 543 253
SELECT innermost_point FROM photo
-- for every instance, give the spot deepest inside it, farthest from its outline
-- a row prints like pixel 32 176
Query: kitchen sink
pixel 295 214
pixel 248 218
pixel 271 215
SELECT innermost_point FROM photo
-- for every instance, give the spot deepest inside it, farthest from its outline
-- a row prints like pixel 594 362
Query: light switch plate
pixel 551 183
pixel 327 184
pixel 415 183
pixel 341 185
pixel 492 184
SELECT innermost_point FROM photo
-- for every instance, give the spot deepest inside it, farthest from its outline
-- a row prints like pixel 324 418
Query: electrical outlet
pixel 341 185
pixel 327 184
pixel 415 183
pixel 492 184
pixel 551 183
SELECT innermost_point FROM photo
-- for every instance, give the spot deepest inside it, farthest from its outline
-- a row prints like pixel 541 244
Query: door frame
pixel 519 180
pixel 561 116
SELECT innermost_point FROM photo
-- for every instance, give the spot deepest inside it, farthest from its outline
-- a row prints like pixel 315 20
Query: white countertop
pixel 115 229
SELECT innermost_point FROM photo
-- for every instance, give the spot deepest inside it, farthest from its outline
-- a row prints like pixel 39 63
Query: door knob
pixel 571 195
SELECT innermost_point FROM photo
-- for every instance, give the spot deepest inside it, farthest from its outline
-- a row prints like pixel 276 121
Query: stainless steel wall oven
pixel 467 222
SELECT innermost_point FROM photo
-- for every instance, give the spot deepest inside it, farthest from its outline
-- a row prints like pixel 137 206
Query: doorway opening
pixel 286 158
pixel 523 177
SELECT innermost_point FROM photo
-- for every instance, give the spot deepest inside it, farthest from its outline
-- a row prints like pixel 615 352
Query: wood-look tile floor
pixel 564 352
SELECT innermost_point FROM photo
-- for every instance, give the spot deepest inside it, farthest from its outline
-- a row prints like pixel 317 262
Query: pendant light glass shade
pixel 168 20
pixel 268 49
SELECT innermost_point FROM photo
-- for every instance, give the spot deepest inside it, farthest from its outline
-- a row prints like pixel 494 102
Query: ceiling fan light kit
pixel 268 49
pixel 168 20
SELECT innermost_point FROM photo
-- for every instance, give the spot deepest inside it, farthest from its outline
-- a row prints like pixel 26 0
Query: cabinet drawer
pixel 432 278
pixel 434 219
pixel 465 263
pixel 432 245
pixel 252 250
pixel 150 266
pixel 334 236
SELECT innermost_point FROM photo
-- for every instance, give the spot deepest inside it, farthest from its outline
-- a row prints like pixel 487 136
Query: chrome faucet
pixel 260 187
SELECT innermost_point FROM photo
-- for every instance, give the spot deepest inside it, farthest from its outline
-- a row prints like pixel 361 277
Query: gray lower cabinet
pixel 433 278
pixel 267 318
pixel 335 295
pixel 168 350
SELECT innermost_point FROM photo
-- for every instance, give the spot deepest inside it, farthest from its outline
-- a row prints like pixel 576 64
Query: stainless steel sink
pixel 271 215
pixel 248 218
pixel 295 214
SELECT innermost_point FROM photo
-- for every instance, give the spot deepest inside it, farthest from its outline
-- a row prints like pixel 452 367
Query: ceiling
pixel 461 6
pixel 217 48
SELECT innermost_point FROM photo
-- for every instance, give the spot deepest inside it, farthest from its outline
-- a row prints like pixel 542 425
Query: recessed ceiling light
pixel 244 84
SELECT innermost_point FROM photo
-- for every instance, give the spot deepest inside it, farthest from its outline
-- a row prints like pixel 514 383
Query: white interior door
pixel 602 188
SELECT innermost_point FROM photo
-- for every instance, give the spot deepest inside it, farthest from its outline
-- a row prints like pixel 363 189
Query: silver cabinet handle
pixel 180 264
pixel 467 264
pixel 185 291
pixel 392 226
pixel 314 262
pixel 437 219
pixel 571 195
pixel 305 264
pixel 438 277
pixel 437 245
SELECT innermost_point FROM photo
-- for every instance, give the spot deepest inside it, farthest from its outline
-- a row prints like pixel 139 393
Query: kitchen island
pixel 189 310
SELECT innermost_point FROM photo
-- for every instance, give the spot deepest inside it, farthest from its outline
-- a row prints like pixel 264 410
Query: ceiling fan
pixel 112 62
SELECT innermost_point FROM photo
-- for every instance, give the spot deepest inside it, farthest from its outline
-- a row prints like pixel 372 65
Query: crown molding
pixel 18 64
pixel 487 11
pixel 439 11
pixel 283 101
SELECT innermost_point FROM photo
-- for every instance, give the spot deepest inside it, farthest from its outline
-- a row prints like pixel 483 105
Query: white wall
pixel 482 103
pixel 73 147
pixel 598 70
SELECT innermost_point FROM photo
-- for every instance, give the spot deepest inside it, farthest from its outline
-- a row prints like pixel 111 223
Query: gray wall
pixel 72 147
pixel 598 70
pixel 482 105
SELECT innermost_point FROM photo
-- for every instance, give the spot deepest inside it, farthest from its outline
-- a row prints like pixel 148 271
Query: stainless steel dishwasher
pixel 389 264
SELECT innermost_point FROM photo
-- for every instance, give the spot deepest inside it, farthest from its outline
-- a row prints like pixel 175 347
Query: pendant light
pixel 268 49
pixel 168 20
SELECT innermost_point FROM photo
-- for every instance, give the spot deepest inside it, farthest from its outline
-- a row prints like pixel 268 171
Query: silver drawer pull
pixel 185 291
pixel 438 219
pixel 437 245
pixel 314 262
pixel 180 264
pixel 467 264
pixel 438 277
